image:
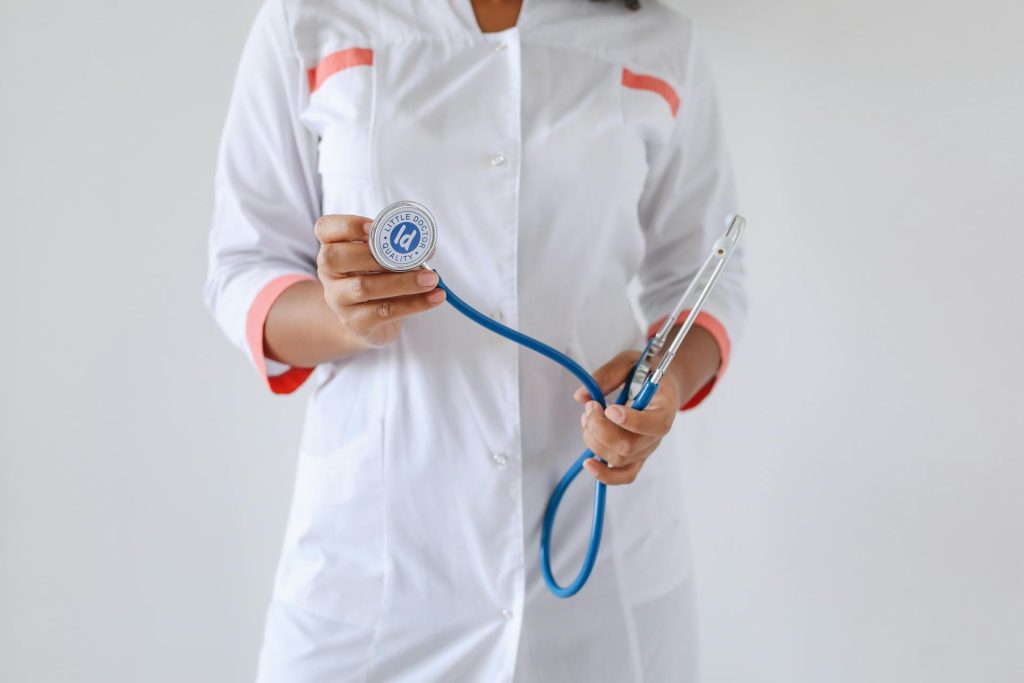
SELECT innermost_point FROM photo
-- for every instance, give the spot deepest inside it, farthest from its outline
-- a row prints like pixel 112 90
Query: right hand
pixel 368 300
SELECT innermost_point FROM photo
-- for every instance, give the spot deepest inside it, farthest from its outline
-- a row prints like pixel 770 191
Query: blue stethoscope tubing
pixel 641 401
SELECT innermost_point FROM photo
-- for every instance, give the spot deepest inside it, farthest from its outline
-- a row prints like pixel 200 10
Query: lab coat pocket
pixel 333 562
pixel 346 166
pixel 649 108
pixel 344 152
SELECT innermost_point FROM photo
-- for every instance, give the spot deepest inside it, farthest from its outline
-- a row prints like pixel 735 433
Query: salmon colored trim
pixel 338 61
pixel 655 85
pixel 293 378
pixel 717 330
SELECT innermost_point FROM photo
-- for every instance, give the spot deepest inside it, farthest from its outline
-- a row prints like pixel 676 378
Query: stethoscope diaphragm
pixel 403 236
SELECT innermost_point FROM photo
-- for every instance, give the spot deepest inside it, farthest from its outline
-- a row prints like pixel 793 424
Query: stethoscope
pixel 403 236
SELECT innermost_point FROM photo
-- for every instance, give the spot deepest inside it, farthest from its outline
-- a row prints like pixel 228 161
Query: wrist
pixel 695 364
pixel 677 380
pixel 345 341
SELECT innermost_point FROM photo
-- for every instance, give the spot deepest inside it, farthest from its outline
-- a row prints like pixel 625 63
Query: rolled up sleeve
pixel 267 197
pixel 685 207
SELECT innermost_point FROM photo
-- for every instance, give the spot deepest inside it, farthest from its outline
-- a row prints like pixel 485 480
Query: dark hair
pixel 630 4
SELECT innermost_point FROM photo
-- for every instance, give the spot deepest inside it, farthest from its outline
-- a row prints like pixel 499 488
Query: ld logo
pixel 405 237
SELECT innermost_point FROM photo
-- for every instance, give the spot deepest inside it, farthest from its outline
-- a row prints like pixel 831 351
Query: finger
pixel 372 313
pixel 611 442
pixel 612 476
pixel 338 228
pixel 654 421
pixel 344 258
pixel 359 289
pixel 610 375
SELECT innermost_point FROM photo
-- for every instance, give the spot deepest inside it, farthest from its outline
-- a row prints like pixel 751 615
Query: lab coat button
pixel 500 46
pixel 499 458
pixel 507 613
pixel 497 316
pixel 498 160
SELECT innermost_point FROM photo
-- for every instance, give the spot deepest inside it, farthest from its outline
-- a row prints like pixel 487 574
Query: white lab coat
pixel 561 159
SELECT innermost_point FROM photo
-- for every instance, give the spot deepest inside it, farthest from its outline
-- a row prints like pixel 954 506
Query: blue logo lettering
pixel 405 237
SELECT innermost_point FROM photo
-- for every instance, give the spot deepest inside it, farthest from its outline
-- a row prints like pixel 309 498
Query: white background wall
pixel 856 484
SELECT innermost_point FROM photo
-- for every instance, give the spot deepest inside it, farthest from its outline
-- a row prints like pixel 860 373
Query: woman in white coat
pixel 565 148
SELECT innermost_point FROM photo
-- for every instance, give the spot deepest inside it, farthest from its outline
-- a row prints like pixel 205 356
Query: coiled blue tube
pixel 597 521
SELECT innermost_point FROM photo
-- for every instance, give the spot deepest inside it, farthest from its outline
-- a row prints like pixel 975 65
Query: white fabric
pixel 411 552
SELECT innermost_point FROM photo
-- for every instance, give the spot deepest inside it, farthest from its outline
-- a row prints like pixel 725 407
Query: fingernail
pixel 583 419
pixel 366 227
pixel 580 394
pixel 426 278
pixel 615 414
pixel 590 467
pixel 591 406
pixel 437 296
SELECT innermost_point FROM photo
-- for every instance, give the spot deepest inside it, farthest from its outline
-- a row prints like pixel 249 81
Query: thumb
pixel 610 375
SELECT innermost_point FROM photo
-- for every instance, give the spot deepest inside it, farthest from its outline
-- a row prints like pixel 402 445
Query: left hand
pixel 621 436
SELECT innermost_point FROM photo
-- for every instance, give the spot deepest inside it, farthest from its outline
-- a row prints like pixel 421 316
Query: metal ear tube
pixel 715 263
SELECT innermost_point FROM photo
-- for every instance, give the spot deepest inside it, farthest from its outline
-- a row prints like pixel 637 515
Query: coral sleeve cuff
pixel 717 330
pixel 292 378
